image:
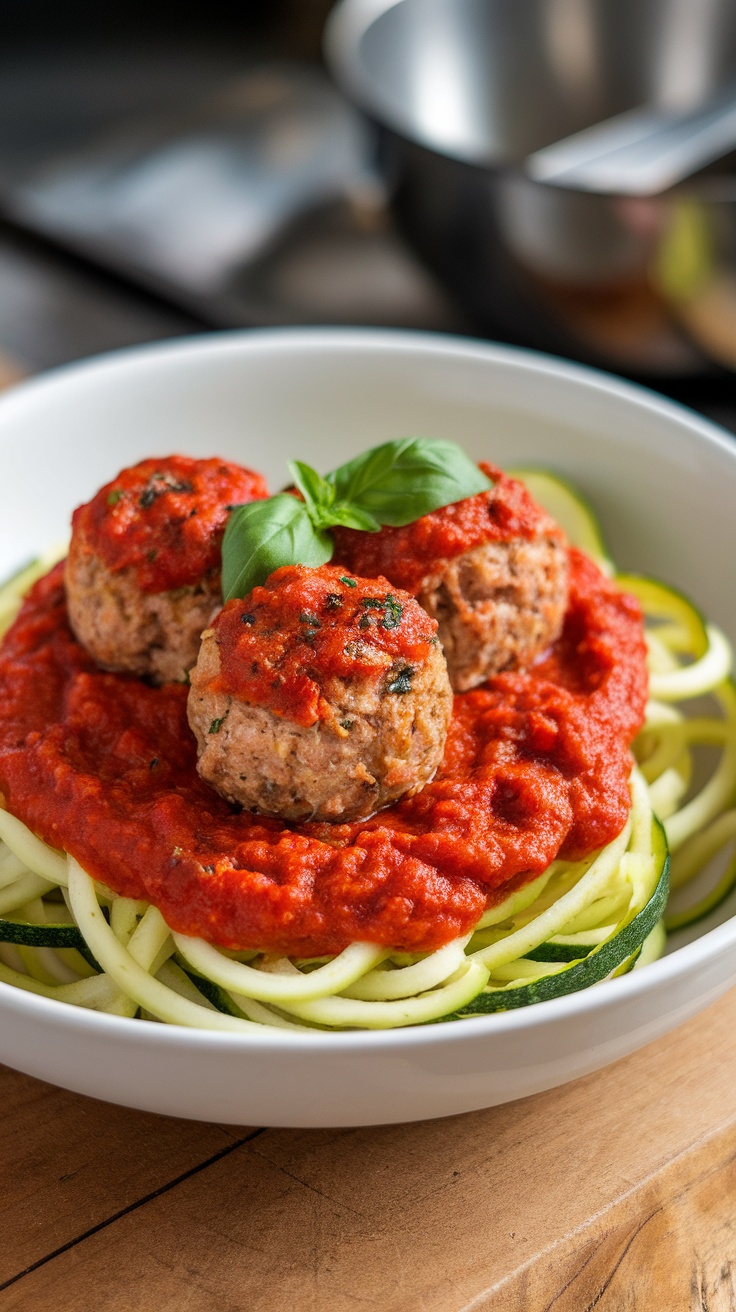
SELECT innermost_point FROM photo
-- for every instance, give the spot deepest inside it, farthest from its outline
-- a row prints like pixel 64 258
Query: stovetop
pixel 147 196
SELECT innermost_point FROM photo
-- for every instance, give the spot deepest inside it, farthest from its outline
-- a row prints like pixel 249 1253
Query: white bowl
pixel 664 484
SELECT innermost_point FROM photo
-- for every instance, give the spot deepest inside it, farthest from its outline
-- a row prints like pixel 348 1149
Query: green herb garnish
pixel 392 613
pixel 262 536
pixel 392 485
pixel 115 496
pixel 326 509
pixel 400 481
pixel 402 682
pixel 157 485
pixel 217 725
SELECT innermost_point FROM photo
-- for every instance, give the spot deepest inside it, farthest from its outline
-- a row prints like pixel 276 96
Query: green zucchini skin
pixel 600 961
pixel 212 992
pixel 41 936
pixel 46 936
pixel 706 906
pixel 556 952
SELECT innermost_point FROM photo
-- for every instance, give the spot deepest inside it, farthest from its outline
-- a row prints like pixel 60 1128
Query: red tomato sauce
pixel 536 765
pixel 307 620
pixel 412 555
pixel 164 518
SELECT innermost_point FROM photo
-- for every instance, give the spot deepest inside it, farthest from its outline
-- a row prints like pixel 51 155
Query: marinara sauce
pixel 163 519
pixel 410 555
pixel 305 626
pixel 536 765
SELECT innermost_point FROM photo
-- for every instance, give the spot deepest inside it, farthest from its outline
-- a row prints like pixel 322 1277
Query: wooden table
pixel 616 1193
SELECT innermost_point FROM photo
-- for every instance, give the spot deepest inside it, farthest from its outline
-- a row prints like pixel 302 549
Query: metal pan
pixel 461 91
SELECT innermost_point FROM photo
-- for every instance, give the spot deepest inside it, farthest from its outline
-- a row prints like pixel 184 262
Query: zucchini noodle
pixel 64 936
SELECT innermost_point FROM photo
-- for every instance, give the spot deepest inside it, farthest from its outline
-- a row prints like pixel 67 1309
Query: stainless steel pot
pixel 460 91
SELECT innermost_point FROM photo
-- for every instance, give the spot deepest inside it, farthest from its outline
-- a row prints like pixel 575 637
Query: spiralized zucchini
pixel 63 936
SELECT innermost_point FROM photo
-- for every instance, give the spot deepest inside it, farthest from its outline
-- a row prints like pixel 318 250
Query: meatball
pixel 498 606
pixel 143 571
pixel 320 696
pixel 492 570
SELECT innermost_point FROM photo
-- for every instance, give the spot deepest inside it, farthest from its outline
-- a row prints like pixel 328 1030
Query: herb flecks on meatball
pixel 492 570
pixel 143 572
pixel 320 695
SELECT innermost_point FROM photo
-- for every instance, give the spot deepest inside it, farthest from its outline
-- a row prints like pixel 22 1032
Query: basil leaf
pixel 318 493
pixel 264 535
pixel 400 481
pixel 319 498
pixel 393 484
pixel 351 516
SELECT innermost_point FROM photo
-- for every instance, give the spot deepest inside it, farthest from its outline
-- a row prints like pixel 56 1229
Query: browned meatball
pixel 498 606
pixel 151 634
pixel 143 571
pixel 492 570
pixel 320 697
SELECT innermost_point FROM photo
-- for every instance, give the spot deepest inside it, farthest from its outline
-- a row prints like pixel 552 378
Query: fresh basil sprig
pixel 325 510
pixel 400 481
pixel 264 535
pixel 392 484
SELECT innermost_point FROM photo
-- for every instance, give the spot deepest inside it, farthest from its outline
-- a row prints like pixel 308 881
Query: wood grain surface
pixel 616 1193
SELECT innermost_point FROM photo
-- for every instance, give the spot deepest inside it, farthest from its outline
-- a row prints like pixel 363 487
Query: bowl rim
pixel 146 357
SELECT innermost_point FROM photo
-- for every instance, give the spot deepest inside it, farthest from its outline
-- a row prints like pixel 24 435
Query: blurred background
pixel 167 168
